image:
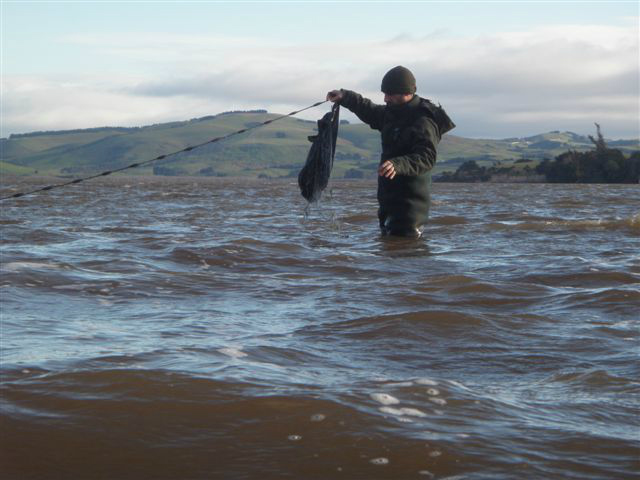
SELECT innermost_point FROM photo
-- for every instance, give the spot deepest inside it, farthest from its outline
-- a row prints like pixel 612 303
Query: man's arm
pixel 365 109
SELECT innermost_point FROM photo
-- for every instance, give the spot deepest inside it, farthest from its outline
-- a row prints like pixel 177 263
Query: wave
pixel 583 279
pixel 448 220
pixel 629 224
pixel 124 423
pixel 596 379
pixel 155 424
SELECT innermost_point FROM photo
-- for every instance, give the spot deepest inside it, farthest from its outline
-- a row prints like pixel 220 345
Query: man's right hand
pixel 334 96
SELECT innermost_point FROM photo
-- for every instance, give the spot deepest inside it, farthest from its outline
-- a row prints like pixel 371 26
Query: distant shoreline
pixel 6 181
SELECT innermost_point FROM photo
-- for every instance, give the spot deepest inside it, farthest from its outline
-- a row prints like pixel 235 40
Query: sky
pixel 500 69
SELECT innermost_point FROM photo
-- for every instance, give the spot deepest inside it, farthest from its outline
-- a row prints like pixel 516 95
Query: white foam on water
pixel 400 384
pixel 426 473
pixel 385 398
pixel 624 324
pixel 413 412
pixel 433 392
pixel 458 384
pixel 317 417
pixel 426 381
pixel 391 411
pixel 438 401
pixel 380 461
pixel 17 266
pixel 402 412
pixel 232 352
pixel 295 438
pixel 435 453
pixel 78 286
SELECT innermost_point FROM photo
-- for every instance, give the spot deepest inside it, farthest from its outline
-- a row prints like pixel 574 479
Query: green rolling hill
pixel 275 150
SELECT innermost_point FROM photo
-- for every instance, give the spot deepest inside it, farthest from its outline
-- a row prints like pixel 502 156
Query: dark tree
pixel 602 165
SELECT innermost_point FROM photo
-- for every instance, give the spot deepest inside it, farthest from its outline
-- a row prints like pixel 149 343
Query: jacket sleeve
pixel 365 109
pixel 425 137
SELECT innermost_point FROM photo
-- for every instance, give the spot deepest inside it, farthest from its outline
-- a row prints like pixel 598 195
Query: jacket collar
pixel 405 107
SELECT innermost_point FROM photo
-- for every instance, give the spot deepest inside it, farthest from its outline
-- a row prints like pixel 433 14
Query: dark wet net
pixel 314 176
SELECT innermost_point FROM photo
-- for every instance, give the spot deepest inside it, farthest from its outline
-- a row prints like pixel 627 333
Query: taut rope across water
pixel 161 157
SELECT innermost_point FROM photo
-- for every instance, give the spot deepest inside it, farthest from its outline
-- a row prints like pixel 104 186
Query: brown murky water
pixel 204 328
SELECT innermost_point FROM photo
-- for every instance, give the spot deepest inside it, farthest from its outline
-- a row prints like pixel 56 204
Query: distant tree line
pixel 67 132
pixel 168 171
pixel 242 111
pixel 349 156
pixel 601 165
pixel 471 172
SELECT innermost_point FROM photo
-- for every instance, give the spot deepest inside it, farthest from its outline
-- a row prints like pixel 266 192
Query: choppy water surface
pixel 204 328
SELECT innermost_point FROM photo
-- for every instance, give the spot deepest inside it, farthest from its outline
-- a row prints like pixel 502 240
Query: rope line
pixel 161 157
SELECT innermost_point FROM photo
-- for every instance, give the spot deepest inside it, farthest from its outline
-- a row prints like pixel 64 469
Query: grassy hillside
pixel 16 170
pixel 274 150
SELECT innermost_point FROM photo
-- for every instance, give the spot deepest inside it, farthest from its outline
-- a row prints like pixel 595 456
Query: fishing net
pixel 314 176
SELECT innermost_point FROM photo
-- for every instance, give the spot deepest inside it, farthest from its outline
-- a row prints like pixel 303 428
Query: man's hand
pixel 334 96
pixel 387 170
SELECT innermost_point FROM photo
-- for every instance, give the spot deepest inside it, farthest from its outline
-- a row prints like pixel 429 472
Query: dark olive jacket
pixel 410 134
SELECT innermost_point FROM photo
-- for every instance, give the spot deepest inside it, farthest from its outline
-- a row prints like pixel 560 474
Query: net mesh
pixel 314 176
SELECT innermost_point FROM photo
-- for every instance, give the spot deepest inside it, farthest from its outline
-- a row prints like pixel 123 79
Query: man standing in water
pixel 410 127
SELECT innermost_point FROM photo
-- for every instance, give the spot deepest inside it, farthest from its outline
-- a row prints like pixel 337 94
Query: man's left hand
pixel 387 170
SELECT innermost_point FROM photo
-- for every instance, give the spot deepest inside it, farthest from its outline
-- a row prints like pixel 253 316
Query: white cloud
pixel 31 103
pixel 505 84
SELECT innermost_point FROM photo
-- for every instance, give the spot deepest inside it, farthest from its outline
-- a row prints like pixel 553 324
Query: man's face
pixel 397 98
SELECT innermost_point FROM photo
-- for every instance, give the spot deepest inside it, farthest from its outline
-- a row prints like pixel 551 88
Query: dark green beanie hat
pixel 399 80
